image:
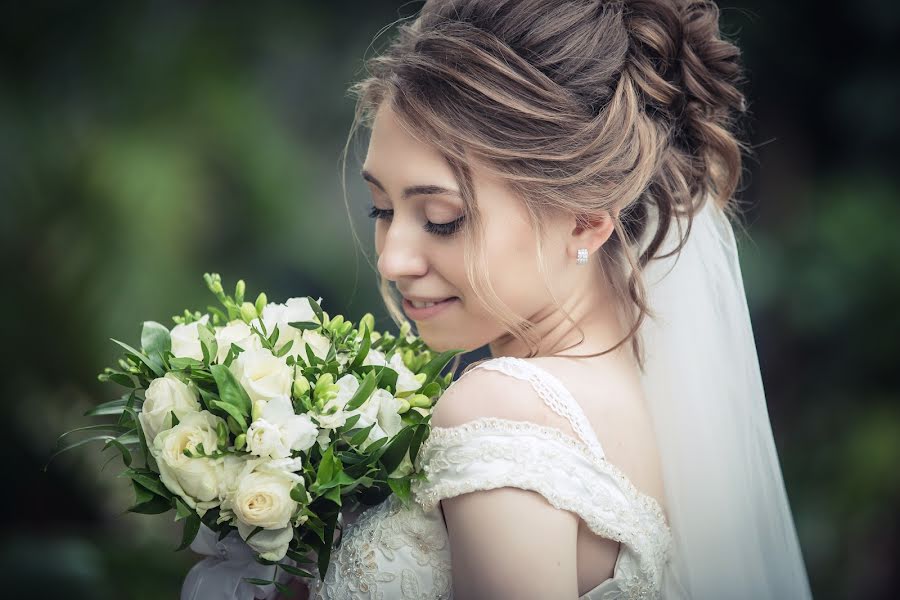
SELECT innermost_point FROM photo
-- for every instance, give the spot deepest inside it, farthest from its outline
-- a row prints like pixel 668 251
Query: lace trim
pixel 552 391
pixel 461 434
pixel 638 523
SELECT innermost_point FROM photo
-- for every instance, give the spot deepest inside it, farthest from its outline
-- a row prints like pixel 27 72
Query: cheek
pixel 512 260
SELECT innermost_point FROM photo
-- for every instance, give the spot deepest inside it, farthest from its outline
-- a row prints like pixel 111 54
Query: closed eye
pixel 442 229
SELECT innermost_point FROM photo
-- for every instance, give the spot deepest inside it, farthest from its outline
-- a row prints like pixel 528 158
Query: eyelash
pixel 442 229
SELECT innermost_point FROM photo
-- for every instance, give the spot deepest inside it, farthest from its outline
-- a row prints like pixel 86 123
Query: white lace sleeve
pixel 491 452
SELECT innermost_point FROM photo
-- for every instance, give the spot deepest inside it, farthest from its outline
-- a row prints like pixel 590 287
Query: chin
pixel 441 343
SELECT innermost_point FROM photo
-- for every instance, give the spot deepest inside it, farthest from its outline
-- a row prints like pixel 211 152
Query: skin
pixel 494 556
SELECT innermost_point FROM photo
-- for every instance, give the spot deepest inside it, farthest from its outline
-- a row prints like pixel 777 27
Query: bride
pixel 554 179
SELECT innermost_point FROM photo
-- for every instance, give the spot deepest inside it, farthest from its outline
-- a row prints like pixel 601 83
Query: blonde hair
pixel 579 107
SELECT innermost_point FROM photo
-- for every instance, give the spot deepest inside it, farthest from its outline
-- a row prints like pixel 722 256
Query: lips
pixel 419 314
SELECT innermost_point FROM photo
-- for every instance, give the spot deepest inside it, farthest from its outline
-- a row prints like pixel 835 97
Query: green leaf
pixel 126 454
pixel 96 438
pixel 364 390
pixel 155 506
pixel 258 581
pixel 122 379
pixel 232 411
pixel 360 436
pixel 324 556
pixel 182 510
pixel 434 366
pixel 363 348
pixel 149 480
pixel 377 444
pixel 312 358
pixel 316 309
pixel 326 467
pixel 348 424
pixel 182 363
pixel 151 364
pixel 400 486
pixel 295 571
pixel 230 390
pixel 208 344
pixel 285 349
pixel 128 415
pixel 334 494
pixel 191 527
pixel 397 449
pixel 155 338
pixel 284 590
pixel 304 325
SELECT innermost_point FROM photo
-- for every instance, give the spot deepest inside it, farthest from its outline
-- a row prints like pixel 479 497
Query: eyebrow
pixel 413 190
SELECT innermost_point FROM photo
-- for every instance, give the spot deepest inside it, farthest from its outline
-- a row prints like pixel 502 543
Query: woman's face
pixel 411 181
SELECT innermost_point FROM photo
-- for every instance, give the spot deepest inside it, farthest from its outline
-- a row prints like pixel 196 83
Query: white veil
pixel 733 531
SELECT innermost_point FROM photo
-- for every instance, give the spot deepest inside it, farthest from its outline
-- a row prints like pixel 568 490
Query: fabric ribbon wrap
pixel 221 575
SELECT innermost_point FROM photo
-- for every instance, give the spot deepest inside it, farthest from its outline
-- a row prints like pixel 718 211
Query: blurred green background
pixel 144 143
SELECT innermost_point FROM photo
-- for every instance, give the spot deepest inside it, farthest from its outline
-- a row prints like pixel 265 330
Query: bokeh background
pixel 144 143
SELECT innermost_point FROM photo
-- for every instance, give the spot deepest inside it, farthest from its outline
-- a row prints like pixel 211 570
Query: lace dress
pixel 392 552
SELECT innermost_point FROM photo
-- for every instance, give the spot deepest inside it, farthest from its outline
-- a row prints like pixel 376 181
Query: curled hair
pixel 579 106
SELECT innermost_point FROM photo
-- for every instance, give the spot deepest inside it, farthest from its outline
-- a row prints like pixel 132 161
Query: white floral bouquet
pixel 264 417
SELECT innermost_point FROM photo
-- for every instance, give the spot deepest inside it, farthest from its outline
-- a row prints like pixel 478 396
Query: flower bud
pixel 239 290
pixel 369 321
pixel 405 328
pixel 240 441
pixel 301 386
pixel 404 406
pixel 222 434
pixel 248 312
pixel 261 302
pixel 420 401
pixel 408 358
pixel 214 283
pixel 325 389
pixel 335 324
pixel 258 407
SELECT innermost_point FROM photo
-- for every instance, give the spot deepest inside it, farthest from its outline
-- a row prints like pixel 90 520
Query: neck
pixel 590 306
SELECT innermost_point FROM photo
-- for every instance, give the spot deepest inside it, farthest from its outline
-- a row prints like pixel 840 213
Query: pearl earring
pixel 582 257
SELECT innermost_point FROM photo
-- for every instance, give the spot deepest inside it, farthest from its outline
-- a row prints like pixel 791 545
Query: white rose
pixel 164 396
pixel 196 480
pixel 278 430
pixel 262 374
pixel 263 499
pixel 236 332
pixel 186 339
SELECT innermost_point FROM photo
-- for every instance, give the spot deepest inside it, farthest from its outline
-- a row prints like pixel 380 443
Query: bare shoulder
pixel 488 393
pixel 611 396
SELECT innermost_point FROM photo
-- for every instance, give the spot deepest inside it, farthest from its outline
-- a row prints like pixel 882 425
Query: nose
pixel 401 256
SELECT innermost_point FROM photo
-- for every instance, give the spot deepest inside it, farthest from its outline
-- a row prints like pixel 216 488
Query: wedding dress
pixel 390 551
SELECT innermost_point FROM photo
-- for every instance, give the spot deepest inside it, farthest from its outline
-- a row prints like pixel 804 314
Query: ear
pixel 591 232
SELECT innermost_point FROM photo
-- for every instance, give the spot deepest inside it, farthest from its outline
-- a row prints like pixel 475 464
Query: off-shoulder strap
pixel 552 392
pixel 491 452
